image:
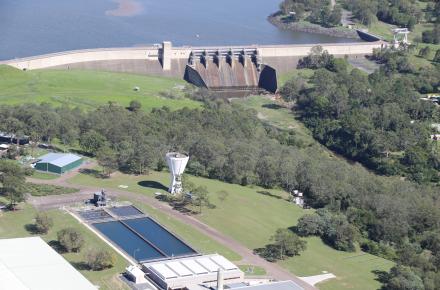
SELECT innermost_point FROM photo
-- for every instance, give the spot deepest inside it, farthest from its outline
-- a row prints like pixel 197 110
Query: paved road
pixel 57 201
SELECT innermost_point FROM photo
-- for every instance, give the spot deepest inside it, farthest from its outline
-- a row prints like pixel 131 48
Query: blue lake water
pixel 31 27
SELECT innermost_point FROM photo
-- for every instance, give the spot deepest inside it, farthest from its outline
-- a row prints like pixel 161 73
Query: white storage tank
pixel 176 163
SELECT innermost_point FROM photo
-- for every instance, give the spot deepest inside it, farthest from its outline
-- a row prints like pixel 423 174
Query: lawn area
pixel 270 112
pixel 12 225
pixel 352 270
pixel 230 216
pixel 379 28
pixel 44 175
pixel 305 73
pixel 252 270
pixel 47 189
pixel 251 215
pixel 87 89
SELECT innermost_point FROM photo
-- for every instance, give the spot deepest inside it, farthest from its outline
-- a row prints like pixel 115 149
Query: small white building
pixel 135 274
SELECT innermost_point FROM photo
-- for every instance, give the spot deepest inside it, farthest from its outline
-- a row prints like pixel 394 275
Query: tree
pixel 200 197
pixel 403 278
pixel 437 56
pixel 292 89
pixel 91 141
pixel 99 260
pixel 12 178
pixel 309 224
pixel 108 159
pixel 135 106
pixel 288 243
pixel 70 239
pixel 43 223
pixel 425 52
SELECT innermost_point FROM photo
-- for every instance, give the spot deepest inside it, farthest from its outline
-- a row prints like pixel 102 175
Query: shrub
pixel 70 239
pixel 99 260
pixel 43 223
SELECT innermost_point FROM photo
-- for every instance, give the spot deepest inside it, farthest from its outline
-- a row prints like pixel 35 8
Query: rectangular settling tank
pixel 159 237
pixel 128 241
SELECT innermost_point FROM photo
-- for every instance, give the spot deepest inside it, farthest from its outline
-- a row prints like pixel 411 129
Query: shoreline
pixel 275 19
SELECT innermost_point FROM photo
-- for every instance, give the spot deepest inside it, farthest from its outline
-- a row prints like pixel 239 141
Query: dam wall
pixel 146 59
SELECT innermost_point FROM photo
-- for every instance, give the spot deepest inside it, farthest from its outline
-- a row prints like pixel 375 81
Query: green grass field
pixel 13 225
pixel 44 175
pixel 251 215
pixel 352 270
pixel 268 111
pixel 305 73
pixel 87 89
pixel 251 270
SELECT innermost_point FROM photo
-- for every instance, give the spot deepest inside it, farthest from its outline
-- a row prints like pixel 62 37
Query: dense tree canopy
pixel 315 11
pixel 377 119
pixel 403 13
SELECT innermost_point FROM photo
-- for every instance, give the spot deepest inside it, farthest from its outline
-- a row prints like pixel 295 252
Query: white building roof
pixel 163 271
pixel 59 159
pixel 197 267
pixel 31 264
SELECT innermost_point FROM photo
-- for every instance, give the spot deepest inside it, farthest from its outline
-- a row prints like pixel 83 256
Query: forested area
pixel 399 12
pixel 316 11
pixel 379 120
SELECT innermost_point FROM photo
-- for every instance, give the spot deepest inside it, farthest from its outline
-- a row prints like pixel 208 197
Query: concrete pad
pixel 313 280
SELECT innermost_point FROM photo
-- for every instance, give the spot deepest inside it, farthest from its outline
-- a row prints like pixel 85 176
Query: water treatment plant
pixel 165 260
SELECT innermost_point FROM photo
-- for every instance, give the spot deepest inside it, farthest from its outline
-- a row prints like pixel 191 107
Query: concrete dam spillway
pixel 239 70
pixel 231 71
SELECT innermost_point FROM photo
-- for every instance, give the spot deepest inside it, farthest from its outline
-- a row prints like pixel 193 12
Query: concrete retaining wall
pixel 103 57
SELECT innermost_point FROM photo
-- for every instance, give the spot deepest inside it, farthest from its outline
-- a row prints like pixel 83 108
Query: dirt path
pixel 57 201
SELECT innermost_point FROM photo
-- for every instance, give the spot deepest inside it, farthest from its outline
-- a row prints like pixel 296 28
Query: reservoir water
pixel 31 27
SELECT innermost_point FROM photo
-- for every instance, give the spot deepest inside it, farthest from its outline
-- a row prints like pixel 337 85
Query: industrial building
pixel 186 272
pixel 58 163
pixel 31 264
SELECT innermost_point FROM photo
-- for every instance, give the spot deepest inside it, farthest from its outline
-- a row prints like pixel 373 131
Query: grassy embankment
pixel 251 215
pixel 88 89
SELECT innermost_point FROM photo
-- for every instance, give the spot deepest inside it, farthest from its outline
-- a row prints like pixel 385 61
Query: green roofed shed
pixel 58 163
